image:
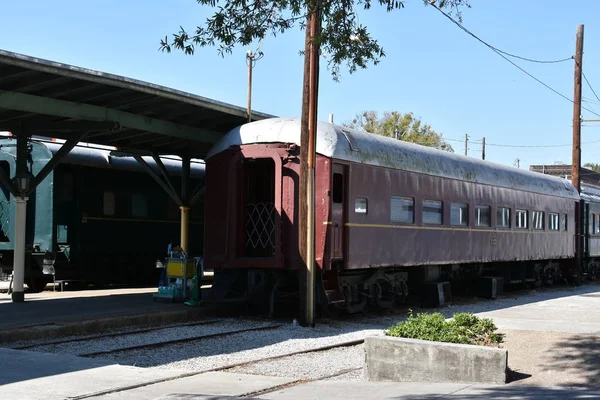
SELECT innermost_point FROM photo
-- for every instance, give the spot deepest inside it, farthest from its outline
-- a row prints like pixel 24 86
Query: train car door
pixel 338 215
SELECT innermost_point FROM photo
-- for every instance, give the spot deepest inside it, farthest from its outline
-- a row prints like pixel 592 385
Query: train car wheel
pixel 384 293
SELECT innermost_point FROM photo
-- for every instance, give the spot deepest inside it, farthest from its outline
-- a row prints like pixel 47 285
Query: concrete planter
pixel 398 360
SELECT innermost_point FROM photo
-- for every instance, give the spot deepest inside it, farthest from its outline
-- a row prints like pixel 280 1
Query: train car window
pixel 4 206
pixel 139 206
pixel 597 223
pixel 6 167
pixel 538 220
pixel 109 203
pixel 61 234
pixel 338 188
pixel 482 215
pixel 402 209
pixel 522 219
pixel 592 223
pixel 553 222
pixel 360 205
pixel 459 214
pixel 564 222
pixel 432 212
pixel 503 217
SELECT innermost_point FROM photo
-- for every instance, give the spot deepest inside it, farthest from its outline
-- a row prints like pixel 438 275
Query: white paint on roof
pixel 346 144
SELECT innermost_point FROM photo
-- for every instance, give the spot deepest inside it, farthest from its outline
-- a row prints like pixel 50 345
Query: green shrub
pixel 463 328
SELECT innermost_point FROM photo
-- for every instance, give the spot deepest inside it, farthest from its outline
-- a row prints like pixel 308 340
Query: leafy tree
pixel 401 126
pixel 592 166
pixel 342 38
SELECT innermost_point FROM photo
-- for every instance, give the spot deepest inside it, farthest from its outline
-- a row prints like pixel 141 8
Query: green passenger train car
pixel 103 219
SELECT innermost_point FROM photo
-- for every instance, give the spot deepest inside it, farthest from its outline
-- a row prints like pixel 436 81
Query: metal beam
pixel 75 126
pixel 157 178
pixel 63 151
pixel 185 179
pixel 123 134
pixel 60 126
pixel 198 194
pixel 68 109
pixel 164 172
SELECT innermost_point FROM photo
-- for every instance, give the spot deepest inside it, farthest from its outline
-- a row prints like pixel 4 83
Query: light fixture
pixel 23 183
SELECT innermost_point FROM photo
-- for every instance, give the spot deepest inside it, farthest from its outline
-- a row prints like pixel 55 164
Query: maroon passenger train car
pixel 388 214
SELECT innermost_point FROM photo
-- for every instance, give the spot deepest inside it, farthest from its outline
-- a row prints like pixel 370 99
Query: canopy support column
pixel 18 291
pixel 22 178
pixel 185 197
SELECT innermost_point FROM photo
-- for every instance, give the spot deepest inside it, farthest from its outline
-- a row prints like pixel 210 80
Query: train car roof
pixel 101 158
pixel 346 144
pixel 590 193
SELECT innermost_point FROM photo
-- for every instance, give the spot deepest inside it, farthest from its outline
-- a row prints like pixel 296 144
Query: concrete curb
pixel 403 360
pixel 57 329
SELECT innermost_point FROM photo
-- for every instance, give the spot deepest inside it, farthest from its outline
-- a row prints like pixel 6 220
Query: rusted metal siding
pixel 374 240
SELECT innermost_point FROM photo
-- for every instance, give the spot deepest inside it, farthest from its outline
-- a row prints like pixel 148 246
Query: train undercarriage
pixel 341 291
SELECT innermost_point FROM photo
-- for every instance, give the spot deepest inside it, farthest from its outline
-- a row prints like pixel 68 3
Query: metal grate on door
pixel 260 226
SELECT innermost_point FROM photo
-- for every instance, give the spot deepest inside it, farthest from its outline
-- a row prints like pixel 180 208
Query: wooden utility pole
pixel 250 61
pixel 308 131
pixel 577 110
pixel 466 143
pixel 483 150
pixel 575 176
pixel 251 58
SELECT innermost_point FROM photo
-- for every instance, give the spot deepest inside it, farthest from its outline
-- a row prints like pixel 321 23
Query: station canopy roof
pixel 47 98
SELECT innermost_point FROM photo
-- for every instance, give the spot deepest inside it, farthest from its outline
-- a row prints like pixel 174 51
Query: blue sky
pixel 432 68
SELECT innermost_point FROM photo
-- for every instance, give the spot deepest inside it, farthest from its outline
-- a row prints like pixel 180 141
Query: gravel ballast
pixel 148 338
pixel 309 365
pixel 222 352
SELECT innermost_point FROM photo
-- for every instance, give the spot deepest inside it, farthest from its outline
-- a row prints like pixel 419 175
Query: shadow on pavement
pixel 513 393
pixel 579 356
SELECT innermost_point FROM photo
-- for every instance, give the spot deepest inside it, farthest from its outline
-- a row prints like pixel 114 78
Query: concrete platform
pixel 342 390
pixel 578 312
pixel 211 383
pixel 32 375
pixel 50 314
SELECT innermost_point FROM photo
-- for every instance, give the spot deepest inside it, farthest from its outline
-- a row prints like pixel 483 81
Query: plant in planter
pixel 426 347
pixel 463 328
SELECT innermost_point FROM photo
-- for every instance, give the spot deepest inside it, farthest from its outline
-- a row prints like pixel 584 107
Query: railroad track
pixel 179 340
pixel 240 364
pixel 298 382
pixel 114 334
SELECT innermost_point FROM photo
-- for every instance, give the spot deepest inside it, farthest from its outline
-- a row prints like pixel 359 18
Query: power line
pixel 588 82
pixel 537 146
pixel 497 49
pixel 524 145
pixel 501 54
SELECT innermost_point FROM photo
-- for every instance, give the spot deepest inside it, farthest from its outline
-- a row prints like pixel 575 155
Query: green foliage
pixel 464 328
pixel 342 37
pixel 592 166
pixel 402 126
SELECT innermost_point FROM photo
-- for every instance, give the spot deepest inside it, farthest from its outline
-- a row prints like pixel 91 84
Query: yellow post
pixel 185 220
